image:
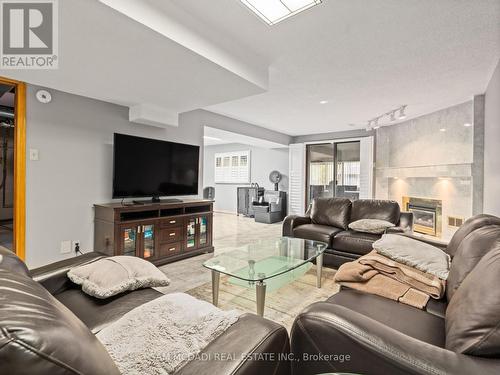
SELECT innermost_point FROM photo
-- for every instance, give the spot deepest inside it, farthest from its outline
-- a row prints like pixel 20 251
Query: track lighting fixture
pixel 374 123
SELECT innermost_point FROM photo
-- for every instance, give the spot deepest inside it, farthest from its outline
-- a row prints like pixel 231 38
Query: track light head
pixel 402 114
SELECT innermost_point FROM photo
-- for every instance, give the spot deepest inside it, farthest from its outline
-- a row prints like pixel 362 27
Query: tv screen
pixel 151 168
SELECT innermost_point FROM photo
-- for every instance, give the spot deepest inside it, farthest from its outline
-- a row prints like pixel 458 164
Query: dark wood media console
pixel 158 232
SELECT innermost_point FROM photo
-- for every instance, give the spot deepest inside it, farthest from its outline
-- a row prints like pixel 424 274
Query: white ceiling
pixel 365 57
pixel 214 137
pixel 105 55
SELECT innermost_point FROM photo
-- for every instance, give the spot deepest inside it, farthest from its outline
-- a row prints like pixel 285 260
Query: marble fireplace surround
pixel 417 159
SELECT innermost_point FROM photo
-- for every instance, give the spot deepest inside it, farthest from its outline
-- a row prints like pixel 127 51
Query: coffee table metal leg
pixel 215 287
pixel 261 297
pixel 319 270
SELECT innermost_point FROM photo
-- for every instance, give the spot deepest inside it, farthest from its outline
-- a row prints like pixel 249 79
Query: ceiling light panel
pixel 274 11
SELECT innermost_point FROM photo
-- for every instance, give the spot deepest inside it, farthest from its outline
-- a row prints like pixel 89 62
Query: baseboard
pixel 225 212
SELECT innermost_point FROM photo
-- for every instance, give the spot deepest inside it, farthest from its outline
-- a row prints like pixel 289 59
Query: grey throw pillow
pixel 375 226
pixel 113 275
pixel 414 253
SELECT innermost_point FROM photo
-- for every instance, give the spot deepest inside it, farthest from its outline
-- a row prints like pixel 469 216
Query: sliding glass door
pixel 333 170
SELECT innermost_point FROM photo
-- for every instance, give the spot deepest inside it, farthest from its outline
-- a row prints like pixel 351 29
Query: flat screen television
pixel 144 167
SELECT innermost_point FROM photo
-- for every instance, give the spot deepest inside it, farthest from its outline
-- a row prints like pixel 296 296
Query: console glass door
pixel 191 233
pixel 149 240
pixel 129 238
pixel 203 234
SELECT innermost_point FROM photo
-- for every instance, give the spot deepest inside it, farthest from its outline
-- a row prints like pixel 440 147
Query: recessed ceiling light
pixel 442 129
pixel 274 11
pixel 323 102
pixel 467 124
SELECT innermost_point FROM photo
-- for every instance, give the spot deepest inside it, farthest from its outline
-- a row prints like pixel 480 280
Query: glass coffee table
pixel 265 259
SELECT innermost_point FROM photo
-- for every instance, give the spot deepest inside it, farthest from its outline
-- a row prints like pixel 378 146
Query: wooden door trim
pixel 19 239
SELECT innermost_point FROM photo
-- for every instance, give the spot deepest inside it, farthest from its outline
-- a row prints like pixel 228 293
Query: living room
pixel 246 186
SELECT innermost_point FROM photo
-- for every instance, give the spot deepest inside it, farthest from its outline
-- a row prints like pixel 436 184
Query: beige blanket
pixel 376 274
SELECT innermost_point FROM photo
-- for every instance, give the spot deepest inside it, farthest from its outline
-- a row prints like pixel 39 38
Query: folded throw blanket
pixel 160 336
pixel 376 274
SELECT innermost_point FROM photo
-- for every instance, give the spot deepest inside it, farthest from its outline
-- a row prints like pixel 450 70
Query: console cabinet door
pixel 191 233
pixel 204 230
pixel 148 243
pixel 198 232
pixel 139 240
pixel 129 240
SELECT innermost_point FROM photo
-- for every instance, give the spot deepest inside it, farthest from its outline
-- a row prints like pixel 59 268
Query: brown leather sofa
pixel 327 220
pixel 47 326
pixel 459 334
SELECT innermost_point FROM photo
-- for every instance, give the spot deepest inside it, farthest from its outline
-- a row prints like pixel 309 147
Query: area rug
pixel 282 305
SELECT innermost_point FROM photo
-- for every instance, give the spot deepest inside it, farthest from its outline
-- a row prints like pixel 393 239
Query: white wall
pixel 492 145
pixel 263 161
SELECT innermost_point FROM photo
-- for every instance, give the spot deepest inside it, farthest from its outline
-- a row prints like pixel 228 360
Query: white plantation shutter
pixel 366 169
pixel 232 167
pixel 297 180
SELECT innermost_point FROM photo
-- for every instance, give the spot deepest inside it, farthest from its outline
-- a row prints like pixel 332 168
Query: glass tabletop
pixel 264 259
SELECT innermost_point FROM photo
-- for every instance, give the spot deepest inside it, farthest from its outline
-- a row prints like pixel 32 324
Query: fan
pixel 275 178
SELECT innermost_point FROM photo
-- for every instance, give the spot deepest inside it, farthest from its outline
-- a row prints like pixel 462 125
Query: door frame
pixel 19 235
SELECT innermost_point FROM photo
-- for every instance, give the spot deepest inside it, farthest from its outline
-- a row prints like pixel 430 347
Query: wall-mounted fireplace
pixel 427 214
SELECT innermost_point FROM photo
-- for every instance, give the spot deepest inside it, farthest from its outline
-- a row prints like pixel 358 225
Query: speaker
pixel 209 193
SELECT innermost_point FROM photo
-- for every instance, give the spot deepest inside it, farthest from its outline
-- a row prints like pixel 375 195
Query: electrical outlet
pixel 34 154
pixel 76 246
pixel 65 247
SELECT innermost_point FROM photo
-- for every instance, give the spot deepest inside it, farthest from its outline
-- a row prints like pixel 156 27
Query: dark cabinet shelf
pixel 159 232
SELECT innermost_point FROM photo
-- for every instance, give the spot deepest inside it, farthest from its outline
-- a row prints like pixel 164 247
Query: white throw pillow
pixel 414 253
pixel 375 226
pixel 107 277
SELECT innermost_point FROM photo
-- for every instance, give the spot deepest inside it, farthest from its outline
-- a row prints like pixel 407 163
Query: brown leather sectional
pixel 47 326
pixel 459 334
pixel 327 220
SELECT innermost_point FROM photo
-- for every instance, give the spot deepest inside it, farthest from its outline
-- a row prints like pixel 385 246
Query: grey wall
pixel 263 161
pixel 74 137
pixel 492 145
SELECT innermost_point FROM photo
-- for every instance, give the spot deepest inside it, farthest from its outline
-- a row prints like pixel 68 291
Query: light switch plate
pixel 33 154
pixel 65 247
